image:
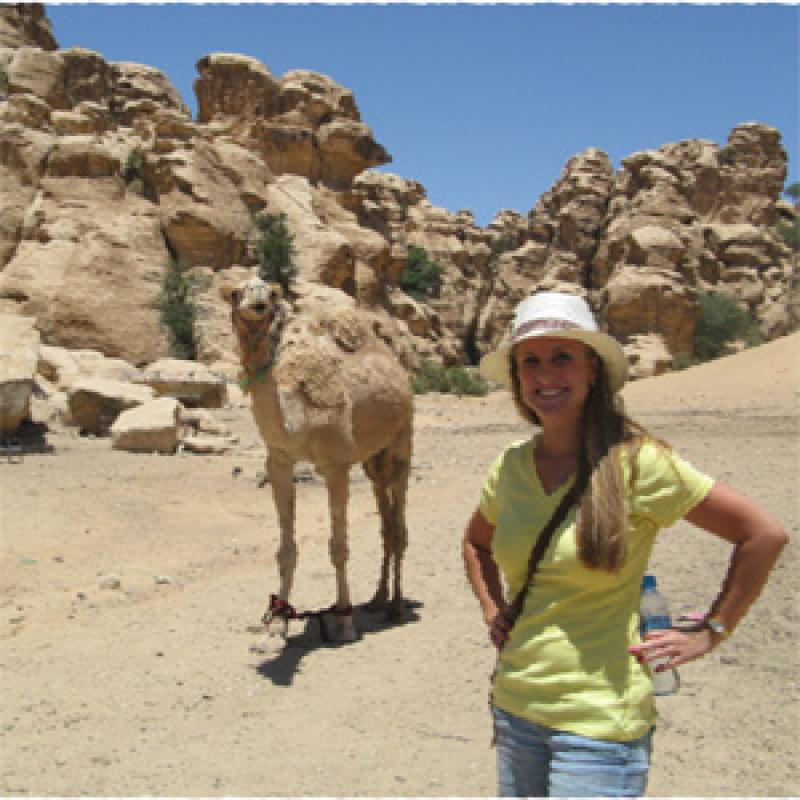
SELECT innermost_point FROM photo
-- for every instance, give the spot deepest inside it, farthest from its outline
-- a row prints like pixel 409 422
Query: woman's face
pixel 555 376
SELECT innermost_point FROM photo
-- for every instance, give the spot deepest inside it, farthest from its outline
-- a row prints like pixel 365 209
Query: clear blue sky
pixel 485 104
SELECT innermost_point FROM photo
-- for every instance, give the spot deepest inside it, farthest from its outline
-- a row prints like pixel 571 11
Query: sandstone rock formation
pixel 19 353
pixel 105 177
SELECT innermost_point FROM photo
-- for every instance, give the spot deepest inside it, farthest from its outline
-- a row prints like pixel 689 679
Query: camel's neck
pixel 258 346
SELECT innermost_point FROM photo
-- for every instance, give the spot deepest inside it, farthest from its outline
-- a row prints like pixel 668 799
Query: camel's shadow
pixel 284 665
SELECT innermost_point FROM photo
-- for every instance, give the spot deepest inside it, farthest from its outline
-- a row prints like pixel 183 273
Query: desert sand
pixel 130 585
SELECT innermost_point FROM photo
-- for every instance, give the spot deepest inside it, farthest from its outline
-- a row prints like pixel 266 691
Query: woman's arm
pixel 484 576
pixel 757 540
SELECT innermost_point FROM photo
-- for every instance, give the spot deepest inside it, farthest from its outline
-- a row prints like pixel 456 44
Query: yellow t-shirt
pixel 566 664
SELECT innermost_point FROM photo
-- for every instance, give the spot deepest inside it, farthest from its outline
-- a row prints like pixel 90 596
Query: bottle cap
pixel 649 582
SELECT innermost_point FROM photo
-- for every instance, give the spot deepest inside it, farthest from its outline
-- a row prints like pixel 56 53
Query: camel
pixel 325 389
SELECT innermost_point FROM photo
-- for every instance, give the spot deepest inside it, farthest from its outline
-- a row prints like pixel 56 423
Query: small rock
pixel 111 582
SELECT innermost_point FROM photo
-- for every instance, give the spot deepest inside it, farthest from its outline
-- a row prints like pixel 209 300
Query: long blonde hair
pixel 606 433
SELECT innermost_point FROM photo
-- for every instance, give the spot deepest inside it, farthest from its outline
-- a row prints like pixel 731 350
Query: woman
pixel 572 693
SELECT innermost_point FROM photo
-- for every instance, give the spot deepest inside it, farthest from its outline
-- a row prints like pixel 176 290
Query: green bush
pixel 461 381
pixel 788 231
pixel 134 171
pixel 178 308
pixel 721 321
pixel 682 361
pixel 421 277
pixel 275 250
pixel 502 244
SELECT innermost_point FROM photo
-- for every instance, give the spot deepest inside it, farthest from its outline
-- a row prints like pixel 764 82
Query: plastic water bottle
pixel 654 615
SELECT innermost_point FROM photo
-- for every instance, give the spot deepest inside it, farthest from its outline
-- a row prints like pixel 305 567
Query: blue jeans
pixel 537 761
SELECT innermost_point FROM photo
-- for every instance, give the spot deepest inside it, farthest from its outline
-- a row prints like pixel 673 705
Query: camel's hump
pixel 314 352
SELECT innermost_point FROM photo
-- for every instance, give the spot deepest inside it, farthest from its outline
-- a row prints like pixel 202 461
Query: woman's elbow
pixel 778 538
pixel 770 539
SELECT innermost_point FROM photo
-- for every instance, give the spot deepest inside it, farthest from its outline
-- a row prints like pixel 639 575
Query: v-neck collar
pixel 557 491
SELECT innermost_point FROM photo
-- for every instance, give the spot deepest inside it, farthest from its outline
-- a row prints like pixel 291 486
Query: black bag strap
pixel 537 553
pixel 513 611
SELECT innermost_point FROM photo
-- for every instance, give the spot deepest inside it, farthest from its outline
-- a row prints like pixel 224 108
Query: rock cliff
pixel 105 177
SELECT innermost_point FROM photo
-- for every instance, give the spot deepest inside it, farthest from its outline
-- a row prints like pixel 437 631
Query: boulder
pixel 200 420
pixel 19 353
pixel 152 427
pixel 93 364
pixel 647 356
pixel 193 384
pixel 48 403
pixel 58 365
pixel 203 444
pixel 95 403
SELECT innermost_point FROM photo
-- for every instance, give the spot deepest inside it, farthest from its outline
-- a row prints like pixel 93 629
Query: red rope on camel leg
pixel 279 608
pixel 282 609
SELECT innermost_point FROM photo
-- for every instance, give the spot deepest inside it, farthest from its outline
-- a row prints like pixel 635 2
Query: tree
pixel 421 277
pixel 179 310
pixel 275 250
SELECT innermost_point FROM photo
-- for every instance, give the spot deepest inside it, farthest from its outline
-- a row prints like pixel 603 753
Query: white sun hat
pixel 560 316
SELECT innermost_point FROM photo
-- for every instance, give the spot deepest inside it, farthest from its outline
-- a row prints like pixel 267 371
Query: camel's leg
pixel 389 472
pixel 280 471
pixel 375 470
pixel 398 488
pixel 340 626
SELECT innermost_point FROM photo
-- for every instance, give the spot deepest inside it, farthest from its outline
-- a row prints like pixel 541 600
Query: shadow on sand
pixel 282 668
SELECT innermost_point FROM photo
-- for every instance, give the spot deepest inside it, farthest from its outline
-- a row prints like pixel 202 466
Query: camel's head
pixel 258 313
pixel 256 300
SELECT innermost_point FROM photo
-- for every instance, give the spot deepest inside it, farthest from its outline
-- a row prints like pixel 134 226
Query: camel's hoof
pixel 338 627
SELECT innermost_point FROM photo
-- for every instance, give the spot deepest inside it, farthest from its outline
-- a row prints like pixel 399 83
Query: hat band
pixel 543 325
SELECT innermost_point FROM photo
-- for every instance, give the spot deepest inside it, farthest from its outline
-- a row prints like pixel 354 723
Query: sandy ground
pixel 151 688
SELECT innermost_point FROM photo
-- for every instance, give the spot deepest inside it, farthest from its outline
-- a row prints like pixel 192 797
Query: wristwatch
pixel 716 627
